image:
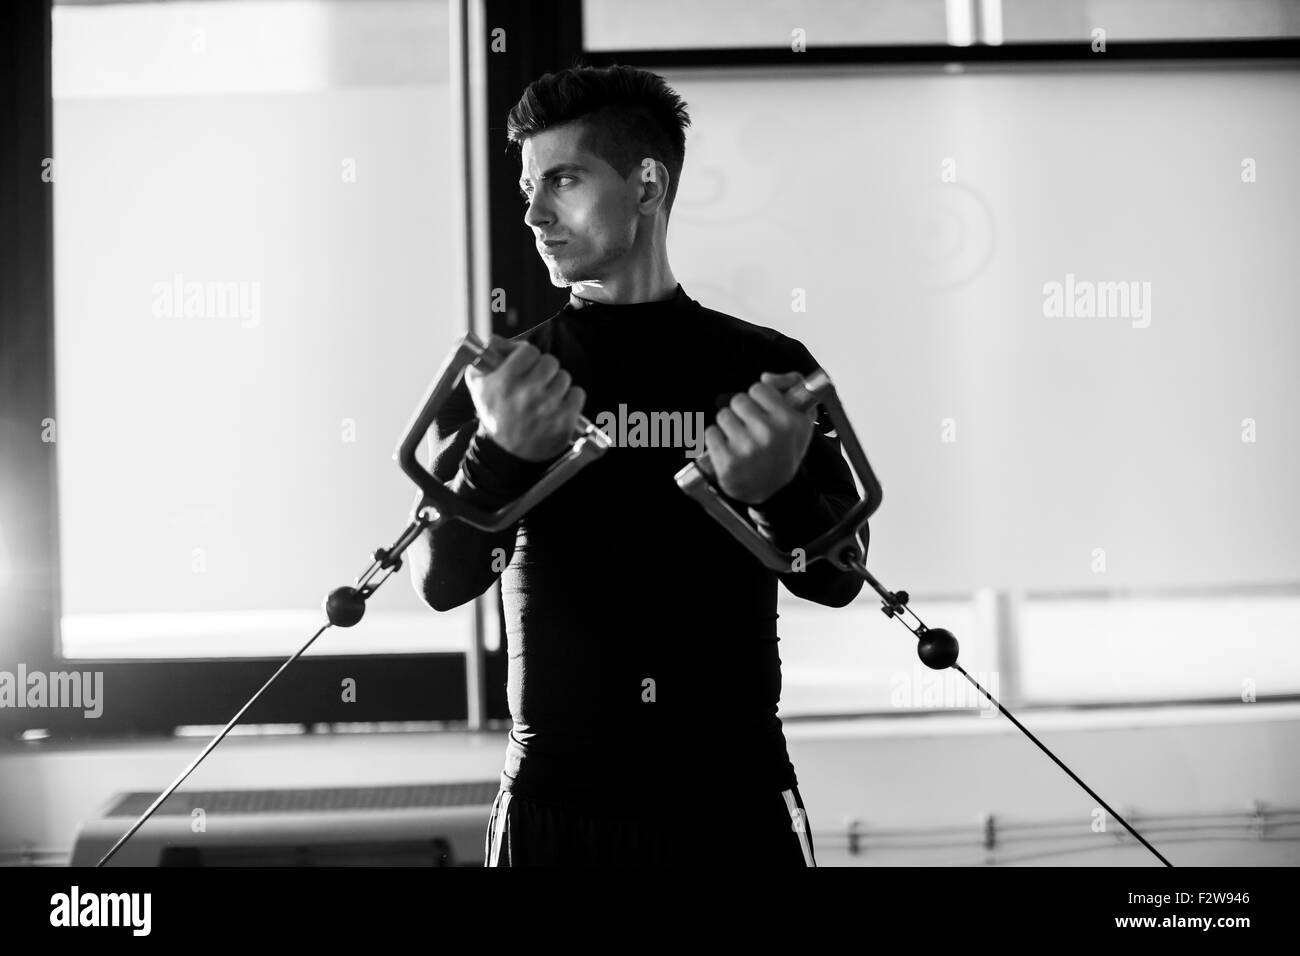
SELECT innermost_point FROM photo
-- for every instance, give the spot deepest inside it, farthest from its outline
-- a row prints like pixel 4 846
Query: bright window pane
pixel 689 24
pixel 1238 648
pixel 1066 20
pixel 257 272
pixel 855 660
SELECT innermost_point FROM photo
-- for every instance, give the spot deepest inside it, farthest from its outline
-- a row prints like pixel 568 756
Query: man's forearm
pixel 795 516
pixel 456 562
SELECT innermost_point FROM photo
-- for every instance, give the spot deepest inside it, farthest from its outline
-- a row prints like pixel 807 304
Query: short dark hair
pixel 627 114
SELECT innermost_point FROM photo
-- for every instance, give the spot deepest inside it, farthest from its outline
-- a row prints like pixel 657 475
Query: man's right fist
pixel 525 404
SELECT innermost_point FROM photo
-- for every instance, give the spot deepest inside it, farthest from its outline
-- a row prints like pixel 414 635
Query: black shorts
pixel 744 828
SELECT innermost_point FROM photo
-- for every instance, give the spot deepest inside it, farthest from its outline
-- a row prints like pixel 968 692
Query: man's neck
pixel 646 276
pixel 623 291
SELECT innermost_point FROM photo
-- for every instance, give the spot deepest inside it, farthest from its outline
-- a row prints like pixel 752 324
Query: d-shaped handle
pixel 842 545
pixel 588 444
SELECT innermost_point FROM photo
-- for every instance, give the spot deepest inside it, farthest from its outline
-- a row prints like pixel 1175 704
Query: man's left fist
pixel 760 440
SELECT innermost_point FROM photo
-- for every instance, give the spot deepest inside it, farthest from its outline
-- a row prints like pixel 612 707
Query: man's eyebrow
pixel 555 171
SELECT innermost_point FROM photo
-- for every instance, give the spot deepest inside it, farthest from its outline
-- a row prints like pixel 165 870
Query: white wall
pixel 915 772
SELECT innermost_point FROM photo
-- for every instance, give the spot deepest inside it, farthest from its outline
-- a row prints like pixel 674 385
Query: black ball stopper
pixel 345 606
pixel 937 648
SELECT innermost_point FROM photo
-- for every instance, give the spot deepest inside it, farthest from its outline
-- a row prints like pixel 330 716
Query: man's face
pixel 574 196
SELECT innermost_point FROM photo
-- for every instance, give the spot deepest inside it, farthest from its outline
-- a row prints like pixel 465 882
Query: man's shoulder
pixel 765 342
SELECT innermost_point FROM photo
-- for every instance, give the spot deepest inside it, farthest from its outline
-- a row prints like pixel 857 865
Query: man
pixel 643 669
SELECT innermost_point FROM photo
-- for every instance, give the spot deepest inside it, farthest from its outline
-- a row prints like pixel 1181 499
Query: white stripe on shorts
pixel 493 851
pixel 797 823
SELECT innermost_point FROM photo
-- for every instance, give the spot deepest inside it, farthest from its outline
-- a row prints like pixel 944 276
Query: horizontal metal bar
pixel 1080 50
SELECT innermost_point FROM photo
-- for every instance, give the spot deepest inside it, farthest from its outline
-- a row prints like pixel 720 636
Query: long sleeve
pixel 454 563
pixel 821 492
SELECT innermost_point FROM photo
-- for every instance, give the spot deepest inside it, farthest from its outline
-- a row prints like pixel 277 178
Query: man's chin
pixel 567 279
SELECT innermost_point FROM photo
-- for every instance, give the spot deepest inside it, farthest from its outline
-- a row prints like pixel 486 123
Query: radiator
pixel 439 824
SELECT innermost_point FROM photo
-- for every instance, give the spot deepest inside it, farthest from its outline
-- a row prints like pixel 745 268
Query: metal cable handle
pixel 587 444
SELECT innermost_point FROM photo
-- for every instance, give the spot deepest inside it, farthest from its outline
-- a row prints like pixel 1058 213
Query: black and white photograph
pixel 704 436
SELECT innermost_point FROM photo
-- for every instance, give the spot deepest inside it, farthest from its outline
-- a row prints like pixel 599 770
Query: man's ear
pixel 653 171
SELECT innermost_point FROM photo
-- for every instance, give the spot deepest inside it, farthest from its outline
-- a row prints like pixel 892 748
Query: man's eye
pixel 527 197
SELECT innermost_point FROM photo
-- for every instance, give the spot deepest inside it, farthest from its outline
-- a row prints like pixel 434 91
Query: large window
pixel 257 268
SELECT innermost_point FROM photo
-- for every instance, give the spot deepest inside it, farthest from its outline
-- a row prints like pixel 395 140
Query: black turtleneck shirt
pixel 642 637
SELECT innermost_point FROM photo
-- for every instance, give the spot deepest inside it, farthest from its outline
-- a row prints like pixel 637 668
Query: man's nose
pixel 536 213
